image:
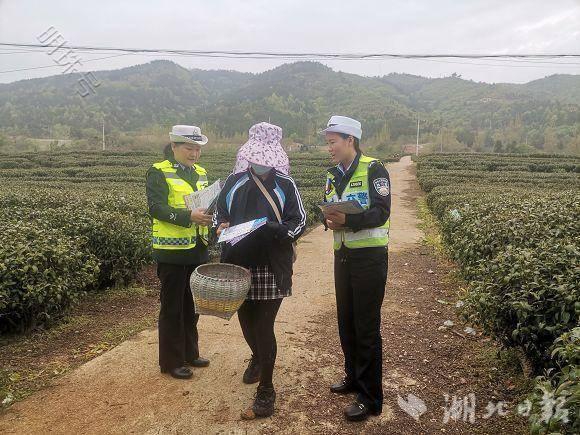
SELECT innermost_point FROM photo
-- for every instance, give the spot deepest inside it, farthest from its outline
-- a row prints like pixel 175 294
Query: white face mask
pixel 260 169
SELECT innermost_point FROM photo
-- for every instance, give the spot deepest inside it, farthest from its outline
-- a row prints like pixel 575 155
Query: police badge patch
pixel 382 186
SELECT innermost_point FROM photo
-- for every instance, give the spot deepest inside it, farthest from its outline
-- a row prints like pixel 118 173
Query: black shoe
pixel 358 411
pixel 178 372
pixel 252 373
pixel 263 404
pixel 198 362
pixel 343 387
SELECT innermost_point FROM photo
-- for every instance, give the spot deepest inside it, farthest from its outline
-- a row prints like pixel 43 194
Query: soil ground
pixel 109 388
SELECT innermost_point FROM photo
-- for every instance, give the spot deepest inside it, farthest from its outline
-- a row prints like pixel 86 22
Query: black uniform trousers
pixel 360 276
pixel 177 318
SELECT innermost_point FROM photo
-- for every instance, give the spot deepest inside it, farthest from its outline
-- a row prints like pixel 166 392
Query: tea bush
pixel 91 207
pixel 512 224
pixel 41 274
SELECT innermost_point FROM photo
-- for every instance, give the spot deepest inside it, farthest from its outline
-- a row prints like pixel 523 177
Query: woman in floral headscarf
pixel 261 187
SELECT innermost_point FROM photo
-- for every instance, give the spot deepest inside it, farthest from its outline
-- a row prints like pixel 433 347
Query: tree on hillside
pixel 465 136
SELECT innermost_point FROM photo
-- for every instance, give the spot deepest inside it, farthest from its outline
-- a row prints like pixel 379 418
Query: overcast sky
pixel 427 26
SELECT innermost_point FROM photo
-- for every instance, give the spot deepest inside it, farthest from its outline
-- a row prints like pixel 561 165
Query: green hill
pixel 543 114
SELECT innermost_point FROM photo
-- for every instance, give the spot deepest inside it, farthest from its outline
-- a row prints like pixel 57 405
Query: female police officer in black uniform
pixel 360 262
pixel 180 238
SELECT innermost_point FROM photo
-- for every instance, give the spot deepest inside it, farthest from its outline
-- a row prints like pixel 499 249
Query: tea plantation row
pixel 512 224
pixel 77 222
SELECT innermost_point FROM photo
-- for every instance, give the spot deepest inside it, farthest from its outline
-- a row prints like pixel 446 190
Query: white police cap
pixel 344 124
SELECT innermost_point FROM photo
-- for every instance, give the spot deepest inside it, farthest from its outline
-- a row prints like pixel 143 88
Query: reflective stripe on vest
pixel 170 236
pixel 357 189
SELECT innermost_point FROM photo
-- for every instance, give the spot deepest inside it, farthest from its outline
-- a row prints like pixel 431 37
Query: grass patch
pixel 506 364
pixel 428 223
pixel 99 322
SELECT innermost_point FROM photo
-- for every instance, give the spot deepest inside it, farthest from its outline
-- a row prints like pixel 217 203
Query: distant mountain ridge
pixel 299 96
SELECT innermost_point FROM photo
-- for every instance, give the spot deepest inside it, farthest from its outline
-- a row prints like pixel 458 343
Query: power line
pixel 504 65
pixel 274 54
pixel 501 60
pixel 505 60
pixel 56 65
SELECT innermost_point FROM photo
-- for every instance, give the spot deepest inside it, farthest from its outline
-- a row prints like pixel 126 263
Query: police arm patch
pixel 382 186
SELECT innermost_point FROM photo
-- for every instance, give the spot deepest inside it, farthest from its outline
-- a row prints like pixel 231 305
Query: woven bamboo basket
pixel 219 289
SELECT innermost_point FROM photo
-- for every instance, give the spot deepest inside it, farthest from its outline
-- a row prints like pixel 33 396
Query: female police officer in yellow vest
pixel 360 262
pixel 180 239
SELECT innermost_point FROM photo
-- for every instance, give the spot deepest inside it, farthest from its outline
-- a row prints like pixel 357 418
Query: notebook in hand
pixel 346 207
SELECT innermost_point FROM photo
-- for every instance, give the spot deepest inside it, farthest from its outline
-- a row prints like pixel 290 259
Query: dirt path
pixel 122 391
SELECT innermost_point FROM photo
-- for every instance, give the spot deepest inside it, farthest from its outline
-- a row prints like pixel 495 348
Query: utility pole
pixel 103 133
pixel 441 140
pixel 417 150
pixel 50 137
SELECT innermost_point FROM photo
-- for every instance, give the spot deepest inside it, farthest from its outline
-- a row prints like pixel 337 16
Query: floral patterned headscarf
pixel 264 147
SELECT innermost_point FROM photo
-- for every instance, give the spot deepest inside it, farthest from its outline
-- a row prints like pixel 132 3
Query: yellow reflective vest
pixel 170 236
pixel 357 189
